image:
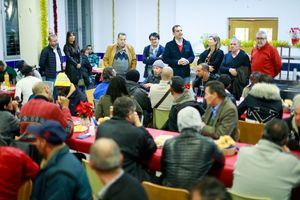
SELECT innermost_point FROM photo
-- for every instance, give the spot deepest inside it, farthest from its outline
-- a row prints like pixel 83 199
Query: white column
pixel 30 33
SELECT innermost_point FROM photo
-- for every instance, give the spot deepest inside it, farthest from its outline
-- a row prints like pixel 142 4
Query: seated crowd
pixel 43 118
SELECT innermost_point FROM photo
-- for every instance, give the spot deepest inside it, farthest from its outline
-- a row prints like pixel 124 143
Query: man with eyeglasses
pixel 264 57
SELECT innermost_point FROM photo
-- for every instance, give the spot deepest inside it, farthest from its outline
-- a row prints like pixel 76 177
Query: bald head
pixel 105 155
pixel 39 88
pixel 166 73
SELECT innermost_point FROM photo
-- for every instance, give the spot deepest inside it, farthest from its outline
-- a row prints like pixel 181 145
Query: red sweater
pixel 39 109
pixel 15 168
pixel 266 60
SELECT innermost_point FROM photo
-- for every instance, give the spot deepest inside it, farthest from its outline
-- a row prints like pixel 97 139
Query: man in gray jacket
pixel 267 169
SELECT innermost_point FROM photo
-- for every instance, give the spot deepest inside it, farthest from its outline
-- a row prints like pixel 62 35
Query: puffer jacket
pixel 186 159
pixel 263 103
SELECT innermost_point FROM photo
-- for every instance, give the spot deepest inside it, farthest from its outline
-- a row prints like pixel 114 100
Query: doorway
pixel 245 29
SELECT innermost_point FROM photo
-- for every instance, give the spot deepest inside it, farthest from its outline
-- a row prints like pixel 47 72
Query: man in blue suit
pixel 179 54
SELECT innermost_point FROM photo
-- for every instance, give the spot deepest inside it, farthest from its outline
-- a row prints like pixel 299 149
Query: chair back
pixel 250 133
pixel 95 183
pixel 157 192
pixel 25 189
pixel 159 118
pixel 236 196
pixel 90 95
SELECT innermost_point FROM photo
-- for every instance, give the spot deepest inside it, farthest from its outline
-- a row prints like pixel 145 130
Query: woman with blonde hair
pixel 213 55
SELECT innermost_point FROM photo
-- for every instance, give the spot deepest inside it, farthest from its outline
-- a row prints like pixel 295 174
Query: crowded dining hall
pixel 119 100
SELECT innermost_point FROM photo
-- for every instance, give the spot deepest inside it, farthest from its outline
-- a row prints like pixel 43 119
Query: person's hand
pixel 211 68
pixel 63 102
pixel 233 72
pixel 78 66
pixel 147 85
pixel 136 120
pixel 15 105
pixel 286 149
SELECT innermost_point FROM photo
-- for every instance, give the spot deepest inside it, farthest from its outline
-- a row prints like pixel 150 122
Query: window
pixel 79 20
pixel 11 27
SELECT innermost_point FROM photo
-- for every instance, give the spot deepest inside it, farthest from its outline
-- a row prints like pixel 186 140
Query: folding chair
pixel 95 183
pixel 250 133
pixel 158 192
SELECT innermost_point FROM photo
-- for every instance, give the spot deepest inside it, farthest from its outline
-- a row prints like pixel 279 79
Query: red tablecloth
pixel 224 174
pixel 9 92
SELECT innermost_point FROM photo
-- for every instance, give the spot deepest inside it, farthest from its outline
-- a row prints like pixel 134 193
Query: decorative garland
pixel 113 20
pixel 44 22
pixel 55 16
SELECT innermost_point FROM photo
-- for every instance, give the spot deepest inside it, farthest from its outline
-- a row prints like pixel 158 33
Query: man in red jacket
pixel 15 168
pixel 264 57
pixel 40 108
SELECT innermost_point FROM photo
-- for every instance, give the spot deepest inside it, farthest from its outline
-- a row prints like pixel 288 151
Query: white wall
pixel 30 33
pixel 138 18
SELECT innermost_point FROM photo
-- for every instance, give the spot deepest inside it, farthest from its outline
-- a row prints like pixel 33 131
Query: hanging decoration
pixel 44 22
pixel 113 20
pixel 55 16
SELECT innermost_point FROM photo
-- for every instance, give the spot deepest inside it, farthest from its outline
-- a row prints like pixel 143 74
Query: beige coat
pixel 109 55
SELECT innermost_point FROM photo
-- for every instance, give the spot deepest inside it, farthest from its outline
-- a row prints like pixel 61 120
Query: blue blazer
pixel 172 54
pixel 150 60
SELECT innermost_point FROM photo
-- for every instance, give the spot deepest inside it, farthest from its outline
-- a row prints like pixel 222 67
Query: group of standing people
pixel 79 63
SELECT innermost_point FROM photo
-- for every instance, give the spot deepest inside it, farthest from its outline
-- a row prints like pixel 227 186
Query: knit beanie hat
pixel 189 117
pixel 62 80
pixel 159 63
pixel 177 84
pixel 133 75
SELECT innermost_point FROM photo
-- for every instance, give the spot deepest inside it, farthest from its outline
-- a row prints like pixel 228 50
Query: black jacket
pixel 263 103
pixel 139 94
pixel 187 158
pixel 136 144
pixel 294 137
pixel 86 70
pixel 186 99
pixel 172 54
pixel 126 187
pixel 48 62
pixel 215 59
pixel 73 58
pixel 75 99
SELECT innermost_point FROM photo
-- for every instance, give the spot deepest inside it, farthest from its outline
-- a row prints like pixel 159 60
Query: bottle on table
pixel 6 80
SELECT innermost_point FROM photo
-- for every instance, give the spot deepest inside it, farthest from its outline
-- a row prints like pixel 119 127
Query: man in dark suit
pixel 179 54
pixel 106 159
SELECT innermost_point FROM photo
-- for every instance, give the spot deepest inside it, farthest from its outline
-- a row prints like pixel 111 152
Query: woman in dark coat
pixel 73 60
pixel 212 56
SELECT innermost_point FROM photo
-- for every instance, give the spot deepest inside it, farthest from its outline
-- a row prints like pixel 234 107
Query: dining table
pixel 223 173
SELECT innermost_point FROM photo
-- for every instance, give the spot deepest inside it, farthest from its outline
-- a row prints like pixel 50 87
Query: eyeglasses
pixel 260 38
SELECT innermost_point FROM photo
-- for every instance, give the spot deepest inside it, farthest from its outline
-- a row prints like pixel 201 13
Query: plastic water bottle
pixel 295 73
